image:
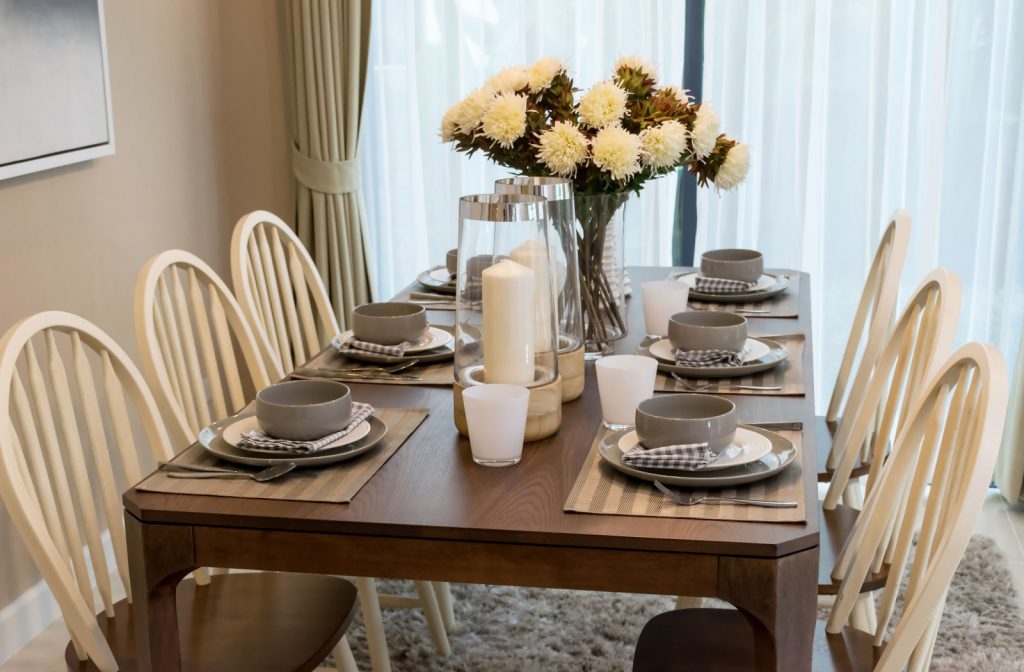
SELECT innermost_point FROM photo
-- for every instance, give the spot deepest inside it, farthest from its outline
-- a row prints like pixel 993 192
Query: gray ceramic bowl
pixel 734 264
pixel 672 419
pixel 302 410
pixel 389 323
pixel 707 330
pixel 451 260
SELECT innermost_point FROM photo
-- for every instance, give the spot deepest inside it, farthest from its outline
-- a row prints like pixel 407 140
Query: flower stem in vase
pixel 603 303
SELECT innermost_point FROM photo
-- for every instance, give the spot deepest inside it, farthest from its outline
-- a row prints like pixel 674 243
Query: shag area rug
pixel 502 629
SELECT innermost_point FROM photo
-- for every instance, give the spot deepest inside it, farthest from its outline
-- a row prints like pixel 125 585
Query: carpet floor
pixel 502 629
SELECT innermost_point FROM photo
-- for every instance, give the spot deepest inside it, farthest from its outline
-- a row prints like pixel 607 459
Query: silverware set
pixel 682 499
pixel 394 372
pixel 703 387
pixel 741 311
pixel 175 470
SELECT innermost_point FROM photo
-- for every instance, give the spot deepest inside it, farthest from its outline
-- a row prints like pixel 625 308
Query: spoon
pixel 190 471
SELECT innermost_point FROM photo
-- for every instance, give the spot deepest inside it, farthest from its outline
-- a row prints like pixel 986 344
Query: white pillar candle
pixel 534 256
pixel 508 293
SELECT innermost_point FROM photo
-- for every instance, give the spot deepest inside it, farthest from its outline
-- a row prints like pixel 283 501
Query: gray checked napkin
pixel 355 345
pixel 704 359
pixel 681 456
pixel 710 285
pixel 262 441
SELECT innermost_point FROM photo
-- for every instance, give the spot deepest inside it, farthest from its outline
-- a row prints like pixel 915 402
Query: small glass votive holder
pixel 623 381
pixel 662 299
pixel 496 417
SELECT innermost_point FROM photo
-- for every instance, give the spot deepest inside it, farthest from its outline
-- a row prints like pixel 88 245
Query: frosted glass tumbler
pixel 623 381
pixel 496 417
pixel 662 300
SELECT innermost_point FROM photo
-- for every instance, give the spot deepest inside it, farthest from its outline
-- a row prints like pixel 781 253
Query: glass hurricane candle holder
pixel 506 325
pixel 558 191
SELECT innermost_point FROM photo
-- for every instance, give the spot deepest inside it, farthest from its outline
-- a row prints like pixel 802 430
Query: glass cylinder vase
pixel 558 191
pixel 506 325
pixel 601 219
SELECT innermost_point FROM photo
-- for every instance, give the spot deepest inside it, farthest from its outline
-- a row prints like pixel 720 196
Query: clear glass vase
pixel 601 219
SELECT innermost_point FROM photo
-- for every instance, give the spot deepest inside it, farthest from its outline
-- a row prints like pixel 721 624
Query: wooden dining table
pixel 430 513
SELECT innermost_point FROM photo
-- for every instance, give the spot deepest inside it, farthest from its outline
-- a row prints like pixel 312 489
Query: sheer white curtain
pixel 425 55
pixel 853 109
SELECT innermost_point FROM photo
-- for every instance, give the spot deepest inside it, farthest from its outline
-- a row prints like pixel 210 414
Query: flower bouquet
pixel 610 141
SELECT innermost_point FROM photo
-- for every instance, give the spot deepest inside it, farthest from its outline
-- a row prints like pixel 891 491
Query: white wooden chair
pixel 920 341
pixel 188 325
pixel 927 498
pixel 68 448
pixel 283 296
pixel 871 324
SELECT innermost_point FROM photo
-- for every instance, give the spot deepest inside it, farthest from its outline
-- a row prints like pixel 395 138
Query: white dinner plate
pixel 753 350
pixel 746 447
pixel 442 275
pixel 232 435
pixel 434 338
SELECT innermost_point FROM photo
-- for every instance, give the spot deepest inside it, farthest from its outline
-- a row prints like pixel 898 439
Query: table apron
pixel 578 568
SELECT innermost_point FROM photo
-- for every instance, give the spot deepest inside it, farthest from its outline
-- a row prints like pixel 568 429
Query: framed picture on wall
pixel 54 85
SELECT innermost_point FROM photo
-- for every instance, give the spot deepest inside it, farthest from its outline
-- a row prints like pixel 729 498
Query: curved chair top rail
pixel 279 288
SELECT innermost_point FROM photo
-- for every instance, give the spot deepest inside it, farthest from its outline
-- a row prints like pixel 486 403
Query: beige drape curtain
pixel 1010 468
pixel 328 44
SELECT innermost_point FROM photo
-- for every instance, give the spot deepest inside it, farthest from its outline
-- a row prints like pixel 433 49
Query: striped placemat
pixel 600 488
pixel 335 483
pixel 432 303
pixel 789 375
pixel 431 373
pixel 785 304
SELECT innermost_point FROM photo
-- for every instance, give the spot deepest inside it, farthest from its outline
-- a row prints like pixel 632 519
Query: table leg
pixel 159 557
pixel 779 599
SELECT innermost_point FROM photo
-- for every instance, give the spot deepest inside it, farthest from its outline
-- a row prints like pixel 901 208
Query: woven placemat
pixel 431 373
pixel 789 375
pixel 600 488
pixel 335 483
pixel 431 302
pixel 786 304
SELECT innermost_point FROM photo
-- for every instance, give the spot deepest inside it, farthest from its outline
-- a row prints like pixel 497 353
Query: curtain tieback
pixel 328 177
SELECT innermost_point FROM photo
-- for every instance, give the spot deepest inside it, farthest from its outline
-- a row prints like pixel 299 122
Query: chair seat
pixel 259 622
pixel 722 640
pixel 824 433
pixel 834 528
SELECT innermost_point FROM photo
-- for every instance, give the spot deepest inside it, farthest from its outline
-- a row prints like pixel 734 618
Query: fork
pixel 684 500
pixel 693 387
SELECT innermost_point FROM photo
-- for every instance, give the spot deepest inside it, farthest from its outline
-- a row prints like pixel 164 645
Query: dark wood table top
pixel 432 489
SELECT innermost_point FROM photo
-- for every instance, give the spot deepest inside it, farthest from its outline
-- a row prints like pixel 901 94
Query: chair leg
pixel 443 592
pixel 376 642
pixel 428 603
pixel 687 602
pixel 344 661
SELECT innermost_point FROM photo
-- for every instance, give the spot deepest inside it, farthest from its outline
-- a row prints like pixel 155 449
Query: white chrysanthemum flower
pixel 448 126
pixel 467 113
pixel 734 168
pixel 562 148
pixel 617 151
pixel 682 95
pixel 504 120
pixel 513 78
pixel 603 105
pixel 543 71
pixel 636 63
pixel 662 145
pixel 705 131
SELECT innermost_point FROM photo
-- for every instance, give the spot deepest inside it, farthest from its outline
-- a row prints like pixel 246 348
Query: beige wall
pixel 200 124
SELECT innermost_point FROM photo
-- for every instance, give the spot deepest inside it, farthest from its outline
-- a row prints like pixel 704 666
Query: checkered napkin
pixel 705 359
pixel 354 345
pixel 262 441
pixel 710 285
pixel 682 456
